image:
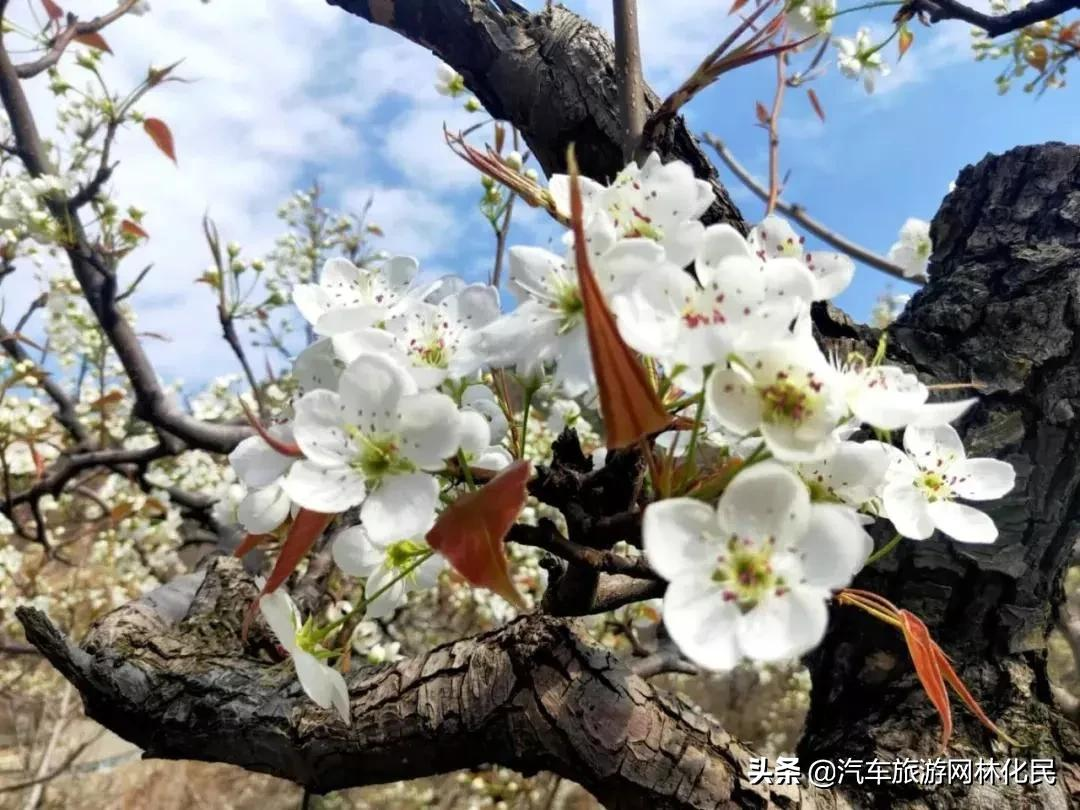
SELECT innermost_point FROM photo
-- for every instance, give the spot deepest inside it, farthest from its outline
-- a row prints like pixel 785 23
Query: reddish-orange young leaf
pixel 969 700
pixel 737 5
pixel 629 405
pixel 500 137
pixel 161 135
pixel 923 652
pixel 285 448
pixel 1037 56
pixel 306 528
pixel 94 40
pixel 54 11
pixel 905 40
pixel 470 532
pixel 815 103
pixel 1070 32
pixel 761 113
pixel 249 542
pixel 133 229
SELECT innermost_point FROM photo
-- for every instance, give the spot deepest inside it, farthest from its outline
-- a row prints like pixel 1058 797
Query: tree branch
pixel 170 674
pixel 98 282
pixel 995 26
pixel 628 76
pixel 66 36
pixel 798 213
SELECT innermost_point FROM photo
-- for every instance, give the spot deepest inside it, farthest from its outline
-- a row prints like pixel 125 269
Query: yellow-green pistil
pixel 745 572
pixel 377 456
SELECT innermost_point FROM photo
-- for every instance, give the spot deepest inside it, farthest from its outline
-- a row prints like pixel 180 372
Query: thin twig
pixel 628 73
pixel 774 137
pixel 798 213
pixel 61 41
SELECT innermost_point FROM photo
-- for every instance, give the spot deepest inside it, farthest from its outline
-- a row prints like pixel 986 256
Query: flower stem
pixel 864 7
pixel 885 550
pixel 529 392
pixel 367 600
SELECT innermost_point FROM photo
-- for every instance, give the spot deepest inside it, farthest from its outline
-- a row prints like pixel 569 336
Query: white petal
pixel 315 677
pixel 701 623
pixel 371 389
pixel 789 278
pixel 389 600
pixel 399 271
pixel 962 522
pixel 280 613
pixel 533 271
pixel 765 500
pixel 981 479
pixel 720 244
pixel 675 534
pixel 906 507
pixel 323 489
pixel 932 414
pixel 935 447
pixel 314 367
pixel 355 554
pixel 257 464
pixel 349 345
pixel 782 627
pixel 339 695
pixel 318 429
pixel 475 432
pixel 621 266
pixel 834 547
pixel 799 443
pixel 733 401
pixel 346 319
pixel 263 510
pixel 682 243
pixel 400 507
pixel 832 273
pixel 311 300
pixel 428 427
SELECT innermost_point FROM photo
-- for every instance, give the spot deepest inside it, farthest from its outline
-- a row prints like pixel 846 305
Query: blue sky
pixel 300 91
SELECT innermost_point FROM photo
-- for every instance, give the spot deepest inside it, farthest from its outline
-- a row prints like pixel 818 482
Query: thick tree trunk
pixel 1000 311
pixel 550 74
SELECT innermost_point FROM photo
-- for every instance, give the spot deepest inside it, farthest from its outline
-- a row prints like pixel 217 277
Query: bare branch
pixel 798 213
pixel 995 26
pixel 66 36
pixel 628 75
pixel 547 537
pixel 97 279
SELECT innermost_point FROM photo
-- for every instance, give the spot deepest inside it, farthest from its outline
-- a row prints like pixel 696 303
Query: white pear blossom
pixel 391 569
pixel 750 578
pixel 547 326
pixel 476 443
pixel 322 683
pixel 889 398
pixel 774 238
pixel 912 251
pixel 740 302
pixel 658 201
pixel 434 341
pixel 922 487
pixel 480 398
pixel 369 443
pixel 860 58
pixel 789 392
pixel 348 297
pixel 854 474
pixel 806 18
pixel 448 82
pixel 262 470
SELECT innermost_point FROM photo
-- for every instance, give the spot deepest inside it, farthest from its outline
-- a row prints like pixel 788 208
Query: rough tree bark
pixel 550 74
pixel 1001 308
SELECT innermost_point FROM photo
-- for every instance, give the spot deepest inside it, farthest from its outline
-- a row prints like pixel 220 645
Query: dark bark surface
pixel 550 74
pixel 1000 310
pixel 170 674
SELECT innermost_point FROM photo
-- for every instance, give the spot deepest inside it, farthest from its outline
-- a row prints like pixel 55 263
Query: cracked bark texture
pixel 550 74
pixel 170 674
pixel 1001 309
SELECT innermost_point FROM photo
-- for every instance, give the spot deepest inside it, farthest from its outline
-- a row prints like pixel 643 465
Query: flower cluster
pixel 767 515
